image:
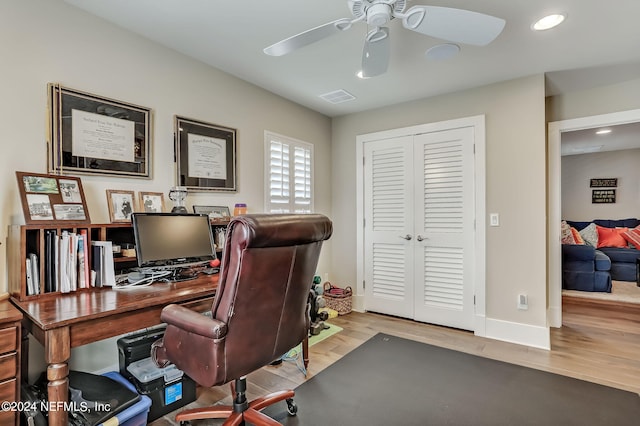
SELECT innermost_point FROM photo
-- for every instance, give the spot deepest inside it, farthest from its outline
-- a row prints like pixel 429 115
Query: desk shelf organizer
pixel 26 240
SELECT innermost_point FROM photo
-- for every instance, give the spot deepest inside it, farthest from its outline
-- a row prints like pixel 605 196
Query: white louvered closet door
pixel 388 220
pixel 419 227
pixel 444 228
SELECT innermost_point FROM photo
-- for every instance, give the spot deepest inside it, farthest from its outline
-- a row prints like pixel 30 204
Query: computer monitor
pixel 169 240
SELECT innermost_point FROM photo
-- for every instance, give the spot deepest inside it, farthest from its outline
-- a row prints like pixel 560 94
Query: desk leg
pixel 57 353
pixel 305 351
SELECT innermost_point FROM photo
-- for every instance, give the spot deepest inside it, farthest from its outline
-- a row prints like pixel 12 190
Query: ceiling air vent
pixel 338 96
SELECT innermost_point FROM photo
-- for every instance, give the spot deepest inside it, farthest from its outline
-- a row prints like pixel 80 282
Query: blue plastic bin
pixel 136 415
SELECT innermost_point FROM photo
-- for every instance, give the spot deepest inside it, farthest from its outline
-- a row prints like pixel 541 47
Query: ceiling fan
pixel 455 25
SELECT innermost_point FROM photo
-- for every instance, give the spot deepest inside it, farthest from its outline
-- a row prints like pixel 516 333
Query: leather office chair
pixel 259 313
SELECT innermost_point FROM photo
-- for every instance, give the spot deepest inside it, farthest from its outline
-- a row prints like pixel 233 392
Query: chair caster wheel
pixel 292 408
pixel 185 423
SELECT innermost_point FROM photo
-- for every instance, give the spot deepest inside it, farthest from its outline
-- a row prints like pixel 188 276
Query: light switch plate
pixel 494 219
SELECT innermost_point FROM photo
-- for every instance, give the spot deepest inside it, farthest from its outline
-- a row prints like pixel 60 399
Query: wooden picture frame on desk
pixel 151 202
pixel 121 205
pixel 51 199
pixel 218 213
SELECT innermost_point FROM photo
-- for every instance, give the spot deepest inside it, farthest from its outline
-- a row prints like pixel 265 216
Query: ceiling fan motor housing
pixel 377 12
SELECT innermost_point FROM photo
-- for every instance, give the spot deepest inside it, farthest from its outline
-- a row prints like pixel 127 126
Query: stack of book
pixel 66 264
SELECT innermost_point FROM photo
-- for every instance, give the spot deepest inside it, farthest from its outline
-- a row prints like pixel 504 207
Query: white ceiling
pixel 230 36
pixel 622 136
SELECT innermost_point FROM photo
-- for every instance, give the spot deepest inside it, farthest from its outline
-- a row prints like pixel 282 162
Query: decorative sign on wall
pixel 604 183
pixel 603 196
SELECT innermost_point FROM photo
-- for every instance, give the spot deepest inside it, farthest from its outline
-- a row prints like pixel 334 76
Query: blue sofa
pixel 585 268
pixel 581 258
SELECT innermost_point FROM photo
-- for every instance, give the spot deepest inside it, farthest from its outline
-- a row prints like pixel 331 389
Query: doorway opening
pixel 556 129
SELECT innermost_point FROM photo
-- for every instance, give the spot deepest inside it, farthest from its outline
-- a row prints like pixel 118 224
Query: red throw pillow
pixel 611 237
pixel 576 236
pixel 633 237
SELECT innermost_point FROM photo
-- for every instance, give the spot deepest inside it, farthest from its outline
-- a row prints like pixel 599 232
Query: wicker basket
pixel 338 299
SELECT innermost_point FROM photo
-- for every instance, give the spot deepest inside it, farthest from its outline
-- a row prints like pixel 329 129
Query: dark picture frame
pixel 90 134
pixel 205 156
pixel 214 212
pixel 52 199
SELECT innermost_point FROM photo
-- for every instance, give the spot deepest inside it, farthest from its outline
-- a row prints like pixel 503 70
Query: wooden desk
pixel 83 317
pixel 10 319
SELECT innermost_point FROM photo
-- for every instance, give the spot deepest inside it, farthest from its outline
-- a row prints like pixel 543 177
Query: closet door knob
pixel 406 237
pixel 419 238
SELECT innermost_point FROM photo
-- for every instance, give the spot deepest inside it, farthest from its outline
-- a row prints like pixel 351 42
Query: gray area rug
pixel 393 381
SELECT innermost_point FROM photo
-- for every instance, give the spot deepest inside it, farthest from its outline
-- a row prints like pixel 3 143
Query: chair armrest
pixel 580 252
pixel 193 322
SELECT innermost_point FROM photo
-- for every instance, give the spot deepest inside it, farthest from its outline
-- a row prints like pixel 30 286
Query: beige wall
pixel 44 41
pixel 600 100
pixel 578 170
pixel 515 182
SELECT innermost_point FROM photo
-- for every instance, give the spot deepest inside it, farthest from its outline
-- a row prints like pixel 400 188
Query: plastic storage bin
pixel 168 388
pixel 137 414
pixel 137 346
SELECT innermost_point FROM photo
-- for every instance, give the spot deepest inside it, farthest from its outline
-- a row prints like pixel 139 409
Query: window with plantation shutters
pixel 288 175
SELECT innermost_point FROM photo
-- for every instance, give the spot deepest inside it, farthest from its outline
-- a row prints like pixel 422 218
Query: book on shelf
pixel 50 261
pixel 30 289
pixel 35 272
pixel 83 264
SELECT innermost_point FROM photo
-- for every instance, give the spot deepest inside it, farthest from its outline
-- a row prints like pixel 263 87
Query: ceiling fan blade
pixel 457 25
pixel 305 38
pixel 375 55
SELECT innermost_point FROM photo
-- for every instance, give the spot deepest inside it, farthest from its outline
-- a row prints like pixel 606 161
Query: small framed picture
pixel 121 205
pixel 214 212
pixel 151 202
pixel 51 199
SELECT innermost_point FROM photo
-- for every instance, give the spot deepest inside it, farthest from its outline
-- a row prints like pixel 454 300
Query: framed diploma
pixel 205 156
pixel 90 134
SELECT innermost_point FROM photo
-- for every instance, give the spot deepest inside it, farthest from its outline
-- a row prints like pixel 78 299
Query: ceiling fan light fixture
pixel 440 52
pixel 548 22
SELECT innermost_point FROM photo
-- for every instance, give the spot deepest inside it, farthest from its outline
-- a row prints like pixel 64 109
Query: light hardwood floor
pixel 597 342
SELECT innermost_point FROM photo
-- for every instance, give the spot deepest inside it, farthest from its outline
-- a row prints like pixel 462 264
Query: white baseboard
pixel 357 303
pixel 522 334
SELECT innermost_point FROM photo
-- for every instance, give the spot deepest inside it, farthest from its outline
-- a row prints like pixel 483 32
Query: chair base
pixel 241 410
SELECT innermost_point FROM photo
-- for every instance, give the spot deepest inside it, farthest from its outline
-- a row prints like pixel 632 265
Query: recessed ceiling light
pixel 549 21
pixel 603 131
